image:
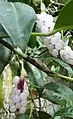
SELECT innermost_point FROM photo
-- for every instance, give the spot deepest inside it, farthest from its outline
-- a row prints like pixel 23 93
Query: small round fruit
pixel 12 108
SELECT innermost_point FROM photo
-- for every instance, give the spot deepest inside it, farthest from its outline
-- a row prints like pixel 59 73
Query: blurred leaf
pixel 35 75
pixel 1 91
pixel 58 93
pixel 42 115
pixel 25 116
pixel 17 23
pixel 65 66
pixel 5 56
pixel 65 112
pixel 65 18
pixel 2 32
pixel 15 68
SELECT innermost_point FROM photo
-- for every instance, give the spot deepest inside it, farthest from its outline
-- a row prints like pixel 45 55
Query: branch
pixel 40 66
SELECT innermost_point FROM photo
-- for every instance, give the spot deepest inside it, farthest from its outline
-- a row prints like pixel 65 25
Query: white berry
pixel 12 108
pixel 55 53
pixel 54 41
pixel 16 80
pixel 16 98
pixel 22 110
pixel 18 105
pixel 59 45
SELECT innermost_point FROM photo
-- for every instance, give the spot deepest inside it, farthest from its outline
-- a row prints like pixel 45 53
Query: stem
pixel 32 99
pixel 43 34
pixel 33 34
pixel 40 66
pixel 62 76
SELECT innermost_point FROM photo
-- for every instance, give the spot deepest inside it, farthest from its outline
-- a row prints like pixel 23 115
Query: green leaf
pixel 24 1
pixel 65 112
pixel 32 42
pixel 2 32
pixel 65 18
pixel 5 56
pixel 58 93
pixel 17 19
pixel 65 66
pixel 35 75
pixel 42 115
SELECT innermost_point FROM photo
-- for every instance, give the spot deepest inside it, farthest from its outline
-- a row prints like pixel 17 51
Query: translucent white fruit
pixel 57 35
pixel 16 91
pixel 59 45
pixel 61 52
pixel 55 53
pixel 23 96
pixel 11 103
pixel 39 25
pixel 16 98
pixel 12 108
pixel 16 80
pixel 13 115
pixel 22 110
pixel 44 29
pixel 49 38
pixel 41 16
pixel 23 103
pixel 25 86
pixel 46 42
pixel 54 41
pixel 45 17
pixel 66 57
pixel 52 26
pixel 26 92
pixel 71 54
pixel 50 47
pixel 67 48
pixel 18 105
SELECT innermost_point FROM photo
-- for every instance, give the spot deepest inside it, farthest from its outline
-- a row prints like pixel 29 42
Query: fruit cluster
pixel 54 43
pixel 18 100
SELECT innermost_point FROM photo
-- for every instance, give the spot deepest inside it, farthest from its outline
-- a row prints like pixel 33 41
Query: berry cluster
pixel 67 55
pixel 54 43
pixel 18 100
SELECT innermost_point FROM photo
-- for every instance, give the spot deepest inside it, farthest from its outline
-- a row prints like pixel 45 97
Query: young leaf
pixel 65 112
pixel 58 93
pixel 65 18
pixel 65 66
pixel 17 19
